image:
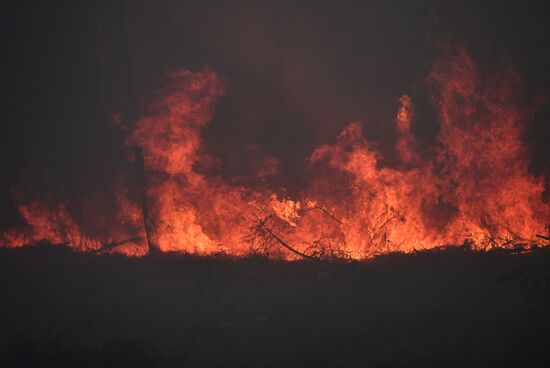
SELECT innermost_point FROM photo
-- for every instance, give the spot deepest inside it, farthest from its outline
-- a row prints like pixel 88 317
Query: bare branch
pixel 325 211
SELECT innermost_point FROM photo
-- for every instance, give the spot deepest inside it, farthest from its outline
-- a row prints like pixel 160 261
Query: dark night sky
pixel 297 72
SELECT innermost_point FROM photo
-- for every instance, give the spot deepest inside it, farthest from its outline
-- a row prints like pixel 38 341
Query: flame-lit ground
pixel 473 186
pixel 455 308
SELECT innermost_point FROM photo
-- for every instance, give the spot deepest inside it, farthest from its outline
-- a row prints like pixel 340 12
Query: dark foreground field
pixel 450 308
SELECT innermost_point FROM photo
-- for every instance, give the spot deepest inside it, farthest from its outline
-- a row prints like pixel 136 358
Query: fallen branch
pixel 115 244
pixel 284 244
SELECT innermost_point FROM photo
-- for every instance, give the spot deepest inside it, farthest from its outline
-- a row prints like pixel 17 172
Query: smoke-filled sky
pixel 295 73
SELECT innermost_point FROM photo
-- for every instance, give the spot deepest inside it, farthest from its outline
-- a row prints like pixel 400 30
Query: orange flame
pixel 475 186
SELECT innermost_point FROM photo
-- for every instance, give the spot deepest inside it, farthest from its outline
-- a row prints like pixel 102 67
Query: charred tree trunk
pixel 140 163
pixel 131 115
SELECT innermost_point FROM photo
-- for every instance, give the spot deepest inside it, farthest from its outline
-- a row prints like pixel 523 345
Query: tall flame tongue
pixel 189 211
pixel 475 186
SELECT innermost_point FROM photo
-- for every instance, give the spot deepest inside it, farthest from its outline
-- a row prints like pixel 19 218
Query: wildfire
pixel 473 186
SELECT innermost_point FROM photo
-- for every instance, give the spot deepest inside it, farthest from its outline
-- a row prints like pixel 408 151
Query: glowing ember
pixel 472 187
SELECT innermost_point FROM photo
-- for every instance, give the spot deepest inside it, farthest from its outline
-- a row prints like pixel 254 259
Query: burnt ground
pixel 451 308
